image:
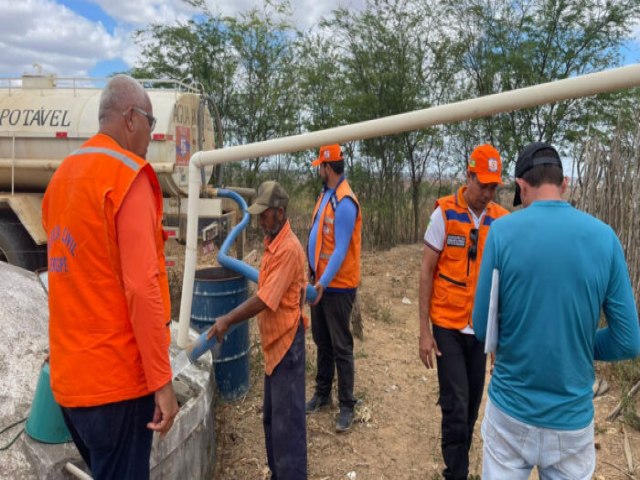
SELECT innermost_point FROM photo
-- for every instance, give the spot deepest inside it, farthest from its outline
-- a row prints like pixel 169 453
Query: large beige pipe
pixel 608 81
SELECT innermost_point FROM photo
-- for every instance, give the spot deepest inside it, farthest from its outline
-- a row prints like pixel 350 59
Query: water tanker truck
pixel 44 118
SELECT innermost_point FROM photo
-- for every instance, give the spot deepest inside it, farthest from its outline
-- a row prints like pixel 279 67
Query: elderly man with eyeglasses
pixel 453 245
pixel 109 309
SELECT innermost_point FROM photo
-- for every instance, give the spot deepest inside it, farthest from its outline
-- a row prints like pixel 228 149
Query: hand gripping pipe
pixel 238 266
pixel 575 87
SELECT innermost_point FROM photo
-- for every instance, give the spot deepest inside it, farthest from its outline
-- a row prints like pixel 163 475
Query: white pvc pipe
pixel 76 472
pixel 191 253
pixel 585 85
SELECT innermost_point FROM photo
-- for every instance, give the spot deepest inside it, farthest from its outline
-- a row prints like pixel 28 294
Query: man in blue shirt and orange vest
pixel 454 243
pixel 334 264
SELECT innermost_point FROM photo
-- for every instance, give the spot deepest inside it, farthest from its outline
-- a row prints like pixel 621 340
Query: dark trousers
pixel 331 331
pixel 113 439
pixel 284 419
pixel 461 371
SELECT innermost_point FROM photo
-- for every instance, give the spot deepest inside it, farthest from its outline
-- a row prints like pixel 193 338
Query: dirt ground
pixel 396 434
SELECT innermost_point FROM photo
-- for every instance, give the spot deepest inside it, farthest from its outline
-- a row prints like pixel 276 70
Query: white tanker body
pixel 41 123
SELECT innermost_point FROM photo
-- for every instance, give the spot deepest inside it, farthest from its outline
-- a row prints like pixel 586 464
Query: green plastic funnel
pixel 45 423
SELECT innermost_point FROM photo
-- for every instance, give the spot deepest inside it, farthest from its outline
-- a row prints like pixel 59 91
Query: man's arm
pixel 345 221
pixel 427 344
pixel 247 309
pixel 275 281
pixel 620 340
pixel 135 227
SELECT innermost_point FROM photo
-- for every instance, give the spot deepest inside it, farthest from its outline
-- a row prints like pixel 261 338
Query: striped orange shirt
pixel 281 286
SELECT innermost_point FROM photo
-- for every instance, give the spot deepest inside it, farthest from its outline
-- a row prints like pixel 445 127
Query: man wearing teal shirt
pixel 558 269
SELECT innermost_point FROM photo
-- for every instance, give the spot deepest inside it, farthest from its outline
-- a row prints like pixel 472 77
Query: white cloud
pixel 49 34
pixel 141 13
pixel 635 32
pixel 305 13
pixel 309 13
pixel 64 42
pixel 630 50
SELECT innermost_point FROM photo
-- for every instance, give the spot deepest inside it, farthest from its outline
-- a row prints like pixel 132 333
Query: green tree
pixel 264 104
pixel 246 64
pixel 196 52
pixel 391 62
pixel 511 45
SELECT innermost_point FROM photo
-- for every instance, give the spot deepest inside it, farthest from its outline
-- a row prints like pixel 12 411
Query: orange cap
pixel 485 162
pixel 328 153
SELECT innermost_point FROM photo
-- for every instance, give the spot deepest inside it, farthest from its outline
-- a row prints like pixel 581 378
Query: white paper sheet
pixel 491 341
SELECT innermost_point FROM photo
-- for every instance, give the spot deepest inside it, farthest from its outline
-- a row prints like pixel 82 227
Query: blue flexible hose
pixel 202 345
pixel 234 264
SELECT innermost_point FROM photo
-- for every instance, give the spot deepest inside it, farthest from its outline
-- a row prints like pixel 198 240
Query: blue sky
pixel 94 37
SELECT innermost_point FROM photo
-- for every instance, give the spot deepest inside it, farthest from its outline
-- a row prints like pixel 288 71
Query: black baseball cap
pixel 526 162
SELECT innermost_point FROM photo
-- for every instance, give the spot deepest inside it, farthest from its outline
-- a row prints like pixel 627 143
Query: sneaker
pixel 316 403
pixel 345 420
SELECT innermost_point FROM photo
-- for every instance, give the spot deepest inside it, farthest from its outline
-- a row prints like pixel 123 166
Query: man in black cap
pixel 278 304
pixel 553 270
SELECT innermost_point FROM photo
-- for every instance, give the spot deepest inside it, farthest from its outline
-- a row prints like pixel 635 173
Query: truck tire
pixel 17 247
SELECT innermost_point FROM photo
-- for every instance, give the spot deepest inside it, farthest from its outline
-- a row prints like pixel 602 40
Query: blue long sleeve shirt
pixel 345 221
pixel 559 268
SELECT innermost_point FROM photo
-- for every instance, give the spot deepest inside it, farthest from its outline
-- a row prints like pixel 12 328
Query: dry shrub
pixel 607 187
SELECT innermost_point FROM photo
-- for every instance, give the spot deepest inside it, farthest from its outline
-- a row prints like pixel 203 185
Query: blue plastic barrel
pixel 217 291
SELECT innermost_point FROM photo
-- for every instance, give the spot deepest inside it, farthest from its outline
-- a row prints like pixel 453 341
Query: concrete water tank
pixel 187 451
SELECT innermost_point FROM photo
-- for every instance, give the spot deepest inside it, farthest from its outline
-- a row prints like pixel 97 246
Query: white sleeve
pixel 434 236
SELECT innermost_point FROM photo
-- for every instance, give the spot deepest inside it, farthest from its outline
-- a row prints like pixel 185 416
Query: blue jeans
pixel 513 448
pixel 113 439
pixel 284 418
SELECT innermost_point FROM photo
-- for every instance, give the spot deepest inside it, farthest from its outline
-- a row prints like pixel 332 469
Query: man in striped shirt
pixel 278 304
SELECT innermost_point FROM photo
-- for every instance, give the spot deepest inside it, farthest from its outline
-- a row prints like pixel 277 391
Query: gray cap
pixel 270 195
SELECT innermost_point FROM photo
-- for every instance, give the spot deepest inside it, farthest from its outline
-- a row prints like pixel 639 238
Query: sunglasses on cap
pixel 473 247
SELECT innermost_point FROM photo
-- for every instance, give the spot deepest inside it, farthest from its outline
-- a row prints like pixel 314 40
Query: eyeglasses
pixel 473 248
pixel 150 118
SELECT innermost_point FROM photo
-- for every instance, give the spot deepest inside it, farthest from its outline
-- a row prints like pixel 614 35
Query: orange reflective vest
pixel 94 355
pixel 348 277
pixel 456 274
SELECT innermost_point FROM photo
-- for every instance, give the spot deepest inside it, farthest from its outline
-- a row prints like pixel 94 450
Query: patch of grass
pixel 385 315
pixel 371 306
pixel 310 363
pixel 627 373
pixel 630 416
pixel 361 353
pixel 256 364
pixel 361 396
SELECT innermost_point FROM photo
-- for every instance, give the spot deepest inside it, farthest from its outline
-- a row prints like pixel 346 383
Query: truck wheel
pixel 17 247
